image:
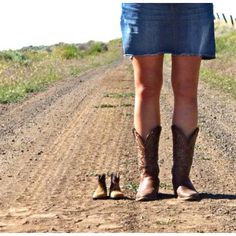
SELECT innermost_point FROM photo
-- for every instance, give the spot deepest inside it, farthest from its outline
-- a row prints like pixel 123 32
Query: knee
pixel 147 92
pixel 148 85
pixel 185 94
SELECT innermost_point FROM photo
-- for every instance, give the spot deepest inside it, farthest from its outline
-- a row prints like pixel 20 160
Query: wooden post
pixel 224 17
pixel 218 15
pixel 232 20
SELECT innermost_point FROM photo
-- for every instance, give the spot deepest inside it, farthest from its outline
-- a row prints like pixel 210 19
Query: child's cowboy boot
pixel 101 191
pixel 115 191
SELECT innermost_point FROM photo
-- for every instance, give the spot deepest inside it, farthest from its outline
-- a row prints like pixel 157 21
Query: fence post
pixel 232 20
pixel 218 15
pixel 224 17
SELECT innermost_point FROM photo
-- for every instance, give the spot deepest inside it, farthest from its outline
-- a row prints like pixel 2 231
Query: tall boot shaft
pixel 183 151
pixel 148 164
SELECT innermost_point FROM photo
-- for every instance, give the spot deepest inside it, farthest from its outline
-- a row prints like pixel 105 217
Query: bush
pixel 96 47
pixel 14 56
pixel 67 51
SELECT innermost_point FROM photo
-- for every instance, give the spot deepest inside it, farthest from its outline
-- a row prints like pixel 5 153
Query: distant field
pixel 221 72
pixel 32 69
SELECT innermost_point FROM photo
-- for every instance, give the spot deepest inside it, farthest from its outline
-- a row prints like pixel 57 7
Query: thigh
pixel 185 73
pixel 148 69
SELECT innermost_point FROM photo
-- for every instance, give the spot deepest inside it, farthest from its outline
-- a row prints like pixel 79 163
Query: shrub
pixel 96 47
pixel 14 56
pixel 67 51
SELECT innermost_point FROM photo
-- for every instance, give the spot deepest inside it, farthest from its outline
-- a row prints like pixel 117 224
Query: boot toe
pixel 116 195
pixel 146 196
pixel 99 195
pixel 184 193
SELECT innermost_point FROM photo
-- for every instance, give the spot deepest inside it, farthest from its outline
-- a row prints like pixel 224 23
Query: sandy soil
pixel 53 144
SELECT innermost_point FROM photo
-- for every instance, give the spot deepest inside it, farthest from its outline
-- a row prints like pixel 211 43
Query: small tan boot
pixel 183 151
pixel 115 191
pixel 101 191
pixel 148 164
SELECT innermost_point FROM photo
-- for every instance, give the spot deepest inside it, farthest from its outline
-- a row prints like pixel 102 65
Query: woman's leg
pixel 148 83
pixel 184 77
pixel 185 73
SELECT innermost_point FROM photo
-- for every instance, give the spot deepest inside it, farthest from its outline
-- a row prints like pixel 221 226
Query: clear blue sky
pixel 45 22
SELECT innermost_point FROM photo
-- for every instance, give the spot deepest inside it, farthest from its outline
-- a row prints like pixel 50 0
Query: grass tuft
pixel 119 95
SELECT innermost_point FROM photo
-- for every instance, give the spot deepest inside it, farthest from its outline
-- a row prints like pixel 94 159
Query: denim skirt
pixel 175 28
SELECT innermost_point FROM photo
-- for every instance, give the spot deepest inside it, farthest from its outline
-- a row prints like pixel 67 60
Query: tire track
pixel 54 194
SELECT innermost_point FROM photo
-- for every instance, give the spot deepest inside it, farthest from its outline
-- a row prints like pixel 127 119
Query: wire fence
pixel 228 20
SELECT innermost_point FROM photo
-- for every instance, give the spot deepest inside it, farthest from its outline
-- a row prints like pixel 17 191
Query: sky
pixel 46 22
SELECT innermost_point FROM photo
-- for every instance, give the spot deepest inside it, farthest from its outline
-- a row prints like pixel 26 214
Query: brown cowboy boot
pixel 101 190
pixel 115 191
pixel 148 164
pixel 183 150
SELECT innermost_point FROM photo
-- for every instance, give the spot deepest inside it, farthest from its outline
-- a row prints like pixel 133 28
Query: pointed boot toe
pixel 148 190
pixel 187 194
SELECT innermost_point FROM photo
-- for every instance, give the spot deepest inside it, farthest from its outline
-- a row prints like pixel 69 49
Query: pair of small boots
pixel 183 150
pixel 114 192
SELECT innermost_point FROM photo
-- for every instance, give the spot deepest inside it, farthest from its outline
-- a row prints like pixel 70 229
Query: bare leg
pixel 148 82
pixel 185 73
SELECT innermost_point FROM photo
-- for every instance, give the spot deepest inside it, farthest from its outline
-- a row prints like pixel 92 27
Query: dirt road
pixel 54 143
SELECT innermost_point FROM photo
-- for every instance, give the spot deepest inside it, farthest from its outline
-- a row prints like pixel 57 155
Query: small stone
pixel 40 152
pixel 25 222
pixel 78 220
pixel 53 229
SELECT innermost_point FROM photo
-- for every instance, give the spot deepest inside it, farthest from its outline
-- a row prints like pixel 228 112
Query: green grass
pixel 205 158
pixel 132 186
pixel 126 105
pixel 106 106
pixel 227 44
pixel 222 82
pixel 127 114
pixel 13 92
pixel 220 73
pixel 75 71
pixel 165 185
pixel 112 106
pixel 32 69
pixel 119 95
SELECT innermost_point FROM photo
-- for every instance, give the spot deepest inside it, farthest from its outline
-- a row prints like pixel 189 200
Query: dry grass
pixel 30 70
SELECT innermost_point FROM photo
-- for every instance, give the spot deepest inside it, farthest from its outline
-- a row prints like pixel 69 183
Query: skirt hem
pixel 203 56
